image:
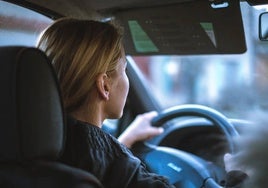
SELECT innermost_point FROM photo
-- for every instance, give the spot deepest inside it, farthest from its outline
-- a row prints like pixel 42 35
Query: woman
pixel 89 60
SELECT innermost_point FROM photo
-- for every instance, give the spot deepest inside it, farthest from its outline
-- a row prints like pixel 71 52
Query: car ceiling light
pixel 217 4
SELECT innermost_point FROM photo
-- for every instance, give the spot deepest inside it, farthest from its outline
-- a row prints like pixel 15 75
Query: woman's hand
pixel 235 176
pixel 229 162
pixel 140 129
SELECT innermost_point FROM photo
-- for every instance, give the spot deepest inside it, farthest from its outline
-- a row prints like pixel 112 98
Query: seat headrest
pixel 31 113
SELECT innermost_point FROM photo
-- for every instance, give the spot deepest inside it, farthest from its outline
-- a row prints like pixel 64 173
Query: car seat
pixel 32 129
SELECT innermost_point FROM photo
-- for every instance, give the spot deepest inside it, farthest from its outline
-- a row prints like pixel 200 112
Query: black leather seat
pixel 32 124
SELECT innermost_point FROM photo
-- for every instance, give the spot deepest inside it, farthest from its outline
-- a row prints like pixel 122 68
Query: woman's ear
pixel 103 86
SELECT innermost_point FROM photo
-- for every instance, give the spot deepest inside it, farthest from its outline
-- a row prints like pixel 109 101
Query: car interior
pixel 197 134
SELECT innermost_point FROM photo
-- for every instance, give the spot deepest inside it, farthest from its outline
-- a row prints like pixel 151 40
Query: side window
pixel 20 26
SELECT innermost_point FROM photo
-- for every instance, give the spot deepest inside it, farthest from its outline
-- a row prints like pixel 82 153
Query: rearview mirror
pixel 263 26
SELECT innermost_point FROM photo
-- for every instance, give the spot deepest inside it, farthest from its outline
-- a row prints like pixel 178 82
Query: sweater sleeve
pixel 145 179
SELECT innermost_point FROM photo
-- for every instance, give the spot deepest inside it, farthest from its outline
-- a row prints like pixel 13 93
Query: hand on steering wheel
pixel 186 168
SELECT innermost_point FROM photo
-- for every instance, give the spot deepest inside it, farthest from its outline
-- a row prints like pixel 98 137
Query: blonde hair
pixel 80 50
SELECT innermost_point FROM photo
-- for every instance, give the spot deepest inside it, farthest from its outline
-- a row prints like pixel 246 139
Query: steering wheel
pixel 184 169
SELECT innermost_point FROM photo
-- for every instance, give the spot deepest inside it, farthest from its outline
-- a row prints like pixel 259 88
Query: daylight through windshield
pixel 232 84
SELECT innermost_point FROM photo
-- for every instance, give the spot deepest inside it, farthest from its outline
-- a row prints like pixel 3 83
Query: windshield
pixel 232 84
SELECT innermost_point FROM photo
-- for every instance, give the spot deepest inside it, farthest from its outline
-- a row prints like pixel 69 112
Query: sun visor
pixel 199 27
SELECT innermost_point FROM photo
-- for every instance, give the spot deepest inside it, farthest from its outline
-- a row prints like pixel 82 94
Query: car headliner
pixel 89 8
pixel 92 8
